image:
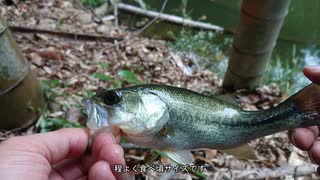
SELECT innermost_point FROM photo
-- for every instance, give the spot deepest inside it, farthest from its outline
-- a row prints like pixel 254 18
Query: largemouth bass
pixel 175 119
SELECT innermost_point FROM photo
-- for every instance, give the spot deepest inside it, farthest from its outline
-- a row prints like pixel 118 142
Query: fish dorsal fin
pixel 181 157
pixel 243 152
pixel 229 98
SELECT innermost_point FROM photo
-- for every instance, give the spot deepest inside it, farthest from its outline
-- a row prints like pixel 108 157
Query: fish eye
pixel 111 98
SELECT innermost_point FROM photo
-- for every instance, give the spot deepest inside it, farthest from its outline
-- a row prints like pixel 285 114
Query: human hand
pixel 60 155
pixel 308 139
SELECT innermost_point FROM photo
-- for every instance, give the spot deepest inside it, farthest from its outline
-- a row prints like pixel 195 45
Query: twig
pixel 135 34
pixel 90 10
pixel 139 158
pixel 132 146
pixel 170 18
pixel 115 3
pixel 153 20
pixel 70 35
pixel 263 173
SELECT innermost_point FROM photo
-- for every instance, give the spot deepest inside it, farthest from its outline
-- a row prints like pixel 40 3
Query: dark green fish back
pixel 199 121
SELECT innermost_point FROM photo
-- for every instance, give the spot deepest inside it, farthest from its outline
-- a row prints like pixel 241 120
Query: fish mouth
pixel 97 115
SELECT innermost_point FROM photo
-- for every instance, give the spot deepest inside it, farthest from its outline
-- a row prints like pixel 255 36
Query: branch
pixel 153 20
pixel 137 33
pixel 132 146
pixel 76 36
pixel 170 18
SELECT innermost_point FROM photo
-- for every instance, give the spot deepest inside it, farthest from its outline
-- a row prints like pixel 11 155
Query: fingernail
pixel 89 146
pixel 313 67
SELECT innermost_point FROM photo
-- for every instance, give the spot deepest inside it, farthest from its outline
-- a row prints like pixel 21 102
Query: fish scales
pixel 215 127
pixel 167 117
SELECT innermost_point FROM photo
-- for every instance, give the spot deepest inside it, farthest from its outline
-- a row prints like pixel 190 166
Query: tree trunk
pixel 20 93
pixel 256 35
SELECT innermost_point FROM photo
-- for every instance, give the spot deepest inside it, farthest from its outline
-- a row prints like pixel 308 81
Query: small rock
pixel 295 159
pixel 103 29
pixel 210 153
pixel 102 10
pixel 66 4
pixel 84 18
pixel 47 23
pixel 88 28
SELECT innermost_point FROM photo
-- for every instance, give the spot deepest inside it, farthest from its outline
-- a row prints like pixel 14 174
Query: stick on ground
pixel 170 18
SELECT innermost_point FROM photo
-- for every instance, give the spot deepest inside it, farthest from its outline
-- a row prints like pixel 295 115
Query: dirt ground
pixel 77 45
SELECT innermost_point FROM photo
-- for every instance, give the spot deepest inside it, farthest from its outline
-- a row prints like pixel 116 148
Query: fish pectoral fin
pixel 181 157
pixel 243 152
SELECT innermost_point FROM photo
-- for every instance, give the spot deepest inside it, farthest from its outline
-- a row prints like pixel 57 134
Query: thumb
pixel 312 73
pixel 54 146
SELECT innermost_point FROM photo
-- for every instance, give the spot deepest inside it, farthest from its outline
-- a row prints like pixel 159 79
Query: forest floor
pixel 79 54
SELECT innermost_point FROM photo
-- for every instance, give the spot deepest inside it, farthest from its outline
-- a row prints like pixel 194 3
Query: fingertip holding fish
pixel 302 138
pixel 314 152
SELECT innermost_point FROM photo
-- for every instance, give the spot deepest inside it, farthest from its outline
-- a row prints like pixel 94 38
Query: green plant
pixel 93 3
pixel 286 73
pixel 123 76
pixel 184 4
pixel 104 65
pixel 48 86
pixel 50 124
pixel 129 76
pixel 208 46
pixel 89 93
pixel 102 77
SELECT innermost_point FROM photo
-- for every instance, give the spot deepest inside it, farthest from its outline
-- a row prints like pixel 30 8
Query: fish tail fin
pixel 308 102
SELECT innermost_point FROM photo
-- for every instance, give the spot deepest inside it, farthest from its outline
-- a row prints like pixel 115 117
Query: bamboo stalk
pixel 255 37
pixel 20 93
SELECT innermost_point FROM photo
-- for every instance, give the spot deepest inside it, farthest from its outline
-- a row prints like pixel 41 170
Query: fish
pixel 177 120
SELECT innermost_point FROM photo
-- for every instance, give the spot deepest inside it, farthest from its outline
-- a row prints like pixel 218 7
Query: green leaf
pixel 104 65
pixel 102 77
pixel 118 83
pixel 89 93
pixel 129 76
pixel 50 83
pixel 52 124
pixel 92 3
pixel 123 140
